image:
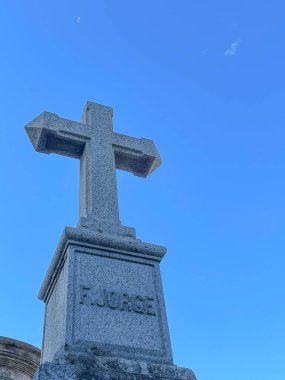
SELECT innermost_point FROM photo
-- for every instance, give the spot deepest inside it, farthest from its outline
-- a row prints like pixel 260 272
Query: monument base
pixel 105 317
pixel 78 366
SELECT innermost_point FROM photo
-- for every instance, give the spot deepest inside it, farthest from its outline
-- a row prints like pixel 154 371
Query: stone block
pixel 105 300
pixel 73 366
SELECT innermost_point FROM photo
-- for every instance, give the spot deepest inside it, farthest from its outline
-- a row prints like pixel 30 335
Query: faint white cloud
pixel 78 20
pixel 232 51
pixel 204 51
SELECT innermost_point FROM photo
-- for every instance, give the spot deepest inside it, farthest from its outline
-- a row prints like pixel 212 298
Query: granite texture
pixel 106 299
pixel 85 236
pixel 74 366
pixel 56 316
pixel 100 151
pixel 105 316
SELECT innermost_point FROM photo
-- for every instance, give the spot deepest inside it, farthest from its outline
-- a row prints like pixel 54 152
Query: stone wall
pixel 18 360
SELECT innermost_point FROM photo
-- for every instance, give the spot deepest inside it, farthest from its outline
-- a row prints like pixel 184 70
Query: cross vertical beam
pixel 98 188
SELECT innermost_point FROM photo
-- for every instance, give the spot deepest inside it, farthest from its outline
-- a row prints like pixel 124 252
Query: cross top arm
pixel 49 133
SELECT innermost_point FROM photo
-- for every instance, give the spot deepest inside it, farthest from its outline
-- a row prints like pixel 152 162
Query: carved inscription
pixel 119 301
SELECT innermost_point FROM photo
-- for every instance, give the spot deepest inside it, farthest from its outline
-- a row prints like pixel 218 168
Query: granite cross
pixel 100 151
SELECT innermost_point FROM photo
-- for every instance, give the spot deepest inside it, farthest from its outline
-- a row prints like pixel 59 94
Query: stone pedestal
pixel 105 316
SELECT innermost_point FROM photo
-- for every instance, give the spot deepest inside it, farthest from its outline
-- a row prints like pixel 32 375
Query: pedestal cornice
pixel 122 245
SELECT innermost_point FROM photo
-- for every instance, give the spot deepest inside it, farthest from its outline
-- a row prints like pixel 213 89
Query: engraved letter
pixel 101 301
pixel 126 302
pixel 113 300
pixel 139 304
pixel 150 309
pixel 84 293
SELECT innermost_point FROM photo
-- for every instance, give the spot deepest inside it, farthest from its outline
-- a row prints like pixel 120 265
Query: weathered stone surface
pixel 107 300
pixel 105 315
pixel 74 366
pixel 100 151
pixel 133 247
pixel 18 360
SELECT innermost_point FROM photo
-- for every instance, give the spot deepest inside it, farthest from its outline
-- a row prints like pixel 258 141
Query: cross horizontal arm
pixel 136 155
pixel 50 133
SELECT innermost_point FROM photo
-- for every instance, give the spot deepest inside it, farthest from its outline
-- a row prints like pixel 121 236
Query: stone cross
pixel 100 151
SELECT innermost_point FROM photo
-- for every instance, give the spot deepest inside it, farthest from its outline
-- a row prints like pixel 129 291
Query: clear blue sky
pixel 205 80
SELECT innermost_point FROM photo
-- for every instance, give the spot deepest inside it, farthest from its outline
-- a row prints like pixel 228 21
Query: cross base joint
pixel 106 228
